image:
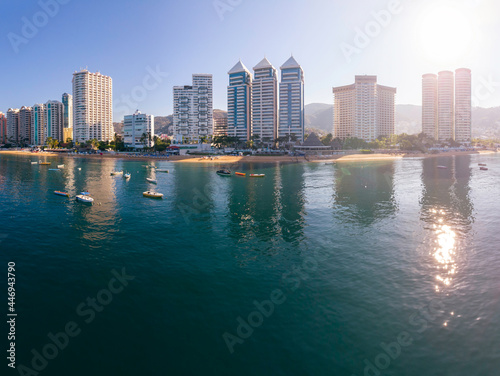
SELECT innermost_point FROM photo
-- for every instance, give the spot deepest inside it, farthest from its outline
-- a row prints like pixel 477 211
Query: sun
pixel 446 34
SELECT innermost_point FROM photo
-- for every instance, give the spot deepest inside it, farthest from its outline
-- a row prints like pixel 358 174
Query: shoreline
pixel 256 159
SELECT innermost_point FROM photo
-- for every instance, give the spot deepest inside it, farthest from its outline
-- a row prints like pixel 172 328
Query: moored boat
pixel 240 174
pixel 44 163
pixel 483 168
pixel 34 162
pixel 152 181
pixel 60 193
pixel 166 171
pixel 85 199
pixel 151 194
pixel 257 175
pixel 127 175
pixel 224 172
pixel 60 166
pixel 117 173
pixel 482 164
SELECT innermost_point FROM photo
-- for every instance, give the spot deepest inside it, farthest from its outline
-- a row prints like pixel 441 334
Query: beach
pixel 223 160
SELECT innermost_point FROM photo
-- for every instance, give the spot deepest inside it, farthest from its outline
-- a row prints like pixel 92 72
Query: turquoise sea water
pixel 363 268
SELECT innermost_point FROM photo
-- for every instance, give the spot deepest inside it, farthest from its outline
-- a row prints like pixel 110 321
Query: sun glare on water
pixel 446 34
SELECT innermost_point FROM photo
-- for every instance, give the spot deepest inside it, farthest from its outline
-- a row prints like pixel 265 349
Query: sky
pixel 149 46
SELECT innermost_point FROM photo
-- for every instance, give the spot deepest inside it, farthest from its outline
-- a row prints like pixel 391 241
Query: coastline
pixel 220 160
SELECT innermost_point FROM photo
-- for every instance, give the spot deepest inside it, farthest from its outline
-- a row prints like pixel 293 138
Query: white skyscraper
pixel 265 101
pixel 92 106
pixel 291 111
pixel 239 100
pixel 54 120
pixel 38 125
pixel 430 105
pixel 364 109
pixel 446 106
pixel 193 109
pixel 138 130
pixel 25 125
pixel 463 105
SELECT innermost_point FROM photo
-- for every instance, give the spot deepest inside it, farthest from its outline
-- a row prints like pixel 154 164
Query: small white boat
pixel 117 173
pixel 152 181
pixel 85 199
pixel 151 194
pixel 127 175
pixel 60 166
pixel 34 162
pixel 79 169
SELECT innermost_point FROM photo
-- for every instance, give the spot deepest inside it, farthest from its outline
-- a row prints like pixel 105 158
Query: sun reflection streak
pixel 444 253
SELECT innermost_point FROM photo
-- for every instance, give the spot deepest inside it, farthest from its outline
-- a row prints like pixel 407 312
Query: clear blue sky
pixel 122 38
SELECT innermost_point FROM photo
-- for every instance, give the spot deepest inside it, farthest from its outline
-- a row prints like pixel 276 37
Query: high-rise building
pixel 38 125
pixel 239 99
pixel 430 105
pixel 54 120
pixel 193 109
pixel 13 125
pixel 67 100
pixel 291 111
pixel 220 126
pixel 463 105
pixel 364 109
pixel 265 102
pixel 3 128
pixel 446 106
pixel 138 130
pixel 25 125
pixel 92 106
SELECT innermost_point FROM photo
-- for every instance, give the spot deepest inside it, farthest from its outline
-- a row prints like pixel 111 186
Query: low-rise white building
pixel 138 130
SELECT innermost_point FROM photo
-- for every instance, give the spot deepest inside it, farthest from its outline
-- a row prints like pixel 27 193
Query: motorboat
pixel 240 174
pixel 257 175
pixel 224 172
pixel 44 163
pixel 127 175
pixel 116 173
pixel 34 162
pixel 59 193
pixel 482 164
pixel 60 166
pixel 483 168
pixel 152 181
pixel 151 194
pixel 85 199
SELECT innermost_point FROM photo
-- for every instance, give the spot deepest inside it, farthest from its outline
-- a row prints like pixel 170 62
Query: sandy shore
pixel 225 160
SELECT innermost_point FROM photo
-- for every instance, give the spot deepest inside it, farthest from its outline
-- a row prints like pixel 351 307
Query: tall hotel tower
pixel 13 124
pixel 430 105
pixel 239 113
pixel 25 124
pixel 291 113
pixel 193 109
pixel 92 106
pixel 38 125
pixel 67 101
pixel 54 120
pixel 364 109
pixel 463 105
pixel 265 101
pixel 447 105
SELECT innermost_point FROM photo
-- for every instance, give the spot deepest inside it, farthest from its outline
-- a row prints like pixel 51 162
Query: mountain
pixel 319 118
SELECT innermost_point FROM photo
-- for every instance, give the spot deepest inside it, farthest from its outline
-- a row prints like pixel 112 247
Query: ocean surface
pixel 363 268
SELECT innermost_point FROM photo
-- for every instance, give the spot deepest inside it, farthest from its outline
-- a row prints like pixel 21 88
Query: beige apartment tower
pixel 463 105
pixel 364 109
pixel 92 106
